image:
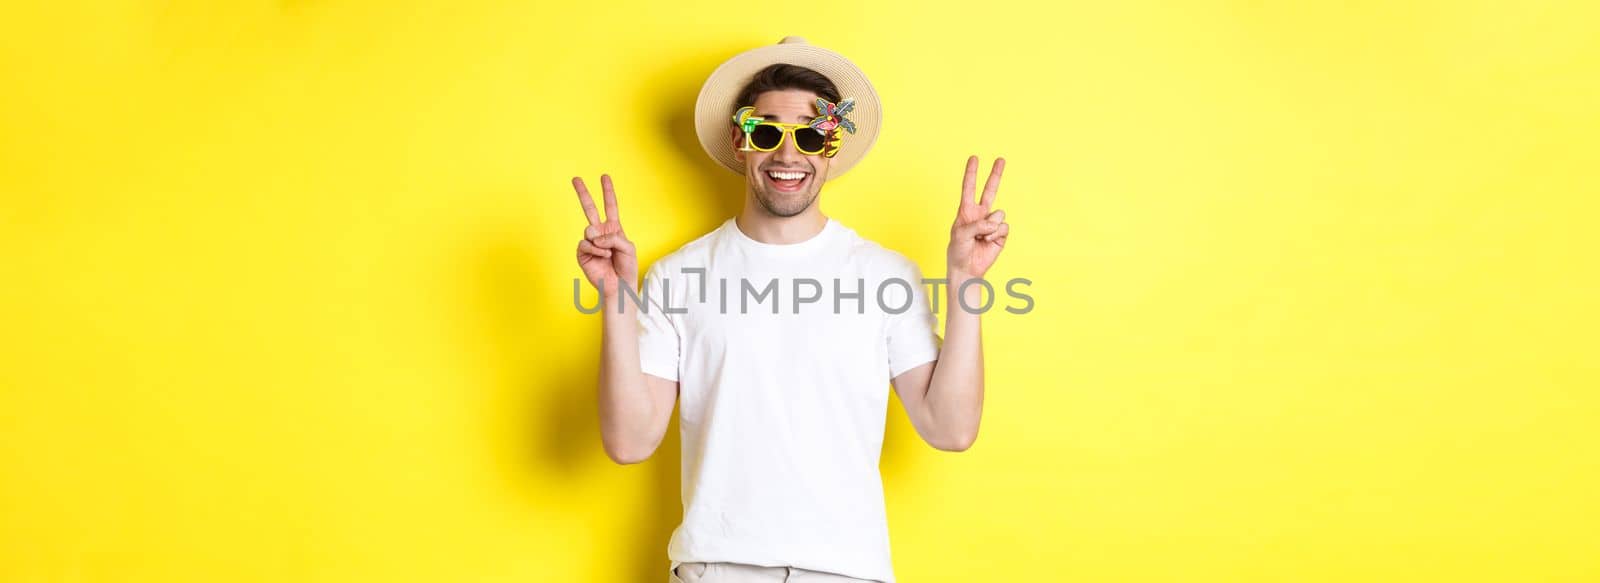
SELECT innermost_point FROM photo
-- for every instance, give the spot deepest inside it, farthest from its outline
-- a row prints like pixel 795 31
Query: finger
pixel 611 199
pixel 587 248
pixel 992 185
pixel 996 216
pixel 586 201
pixel 614 242
pixel 624 246
pixel 998 237
pixel 592 231
pixel 969 182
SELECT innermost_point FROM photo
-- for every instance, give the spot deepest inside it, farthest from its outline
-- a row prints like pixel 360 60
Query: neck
pixel 762 226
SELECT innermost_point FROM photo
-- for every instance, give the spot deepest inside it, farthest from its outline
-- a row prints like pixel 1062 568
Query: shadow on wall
pixel 669 97
pixel 541 412
pixel 542 406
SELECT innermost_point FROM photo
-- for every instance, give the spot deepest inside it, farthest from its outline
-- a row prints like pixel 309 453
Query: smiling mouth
pixel 787 180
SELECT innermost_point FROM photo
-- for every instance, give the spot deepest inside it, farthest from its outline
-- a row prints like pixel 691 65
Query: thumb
pixel 975 228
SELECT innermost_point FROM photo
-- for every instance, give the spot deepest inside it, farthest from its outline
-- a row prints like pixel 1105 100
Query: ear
pixel 737 137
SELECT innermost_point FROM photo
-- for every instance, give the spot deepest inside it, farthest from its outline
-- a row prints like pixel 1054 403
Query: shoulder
pixel 878 258
pixel 693 253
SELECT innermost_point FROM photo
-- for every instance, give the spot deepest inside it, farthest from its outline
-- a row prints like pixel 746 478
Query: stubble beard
pixel 782 204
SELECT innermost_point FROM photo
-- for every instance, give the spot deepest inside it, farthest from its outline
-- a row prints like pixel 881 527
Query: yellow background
pixel 287 286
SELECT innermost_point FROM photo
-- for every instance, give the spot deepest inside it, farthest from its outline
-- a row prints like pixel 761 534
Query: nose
pixel 790 152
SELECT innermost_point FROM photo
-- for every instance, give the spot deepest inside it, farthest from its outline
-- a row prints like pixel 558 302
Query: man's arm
pixel 944 398
pixel 635 408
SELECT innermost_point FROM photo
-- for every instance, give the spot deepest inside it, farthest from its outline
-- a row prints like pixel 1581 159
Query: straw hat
pixel 713 110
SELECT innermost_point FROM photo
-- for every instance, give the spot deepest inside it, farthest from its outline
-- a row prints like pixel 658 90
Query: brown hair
pixel 782 76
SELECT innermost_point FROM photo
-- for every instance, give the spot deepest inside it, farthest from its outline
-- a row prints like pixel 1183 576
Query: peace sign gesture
pixel 979 233
pixel 605 253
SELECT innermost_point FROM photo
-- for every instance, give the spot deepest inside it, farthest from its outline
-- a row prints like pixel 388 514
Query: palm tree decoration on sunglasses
pixel 830 117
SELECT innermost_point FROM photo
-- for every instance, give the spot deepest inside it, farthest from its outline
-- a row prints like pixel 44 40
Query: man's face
pixel 783 198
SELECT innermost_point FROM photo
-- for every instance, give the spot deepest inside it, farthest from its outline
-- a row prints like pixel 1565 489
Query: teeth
pixel 787 175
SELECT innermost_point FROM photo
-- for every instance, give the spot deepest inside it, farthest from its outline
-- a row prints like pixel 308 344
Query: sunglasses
pixel 768 136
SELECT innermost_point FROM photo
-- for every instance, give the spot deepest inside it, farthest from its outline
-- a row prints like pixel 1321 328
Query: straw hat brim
pixel 713 115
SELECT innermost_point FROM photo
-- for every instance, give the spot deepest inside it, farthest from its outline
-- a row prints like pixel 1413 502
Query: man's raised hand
pixel 605 253
pixel 979 232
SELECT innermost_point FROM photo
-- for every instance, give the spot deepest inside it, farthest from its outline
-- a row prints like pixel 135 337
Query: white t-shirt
pixel 782 414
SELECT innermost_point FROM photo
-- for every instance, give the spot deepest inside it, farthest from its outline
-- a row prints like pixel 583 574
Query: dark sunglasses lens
pixel 766 137
pixel 810 140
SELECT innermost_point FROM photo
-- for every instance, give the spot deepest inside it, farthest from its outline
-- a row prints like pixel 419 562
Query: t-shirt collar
pixel 816 241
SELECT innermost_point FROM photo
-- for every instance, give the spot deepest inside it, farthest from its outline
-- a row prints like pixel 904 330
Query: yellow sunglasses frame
pixel 788 130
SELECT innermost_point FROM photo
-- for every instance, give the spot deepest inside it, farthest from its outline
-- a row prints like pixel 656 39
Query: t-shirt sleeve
pixel 913 334
pixel 659 341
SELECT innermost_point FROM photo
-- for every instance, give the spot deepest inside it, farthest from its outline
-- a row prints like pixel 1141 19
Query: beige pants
pixel 742 573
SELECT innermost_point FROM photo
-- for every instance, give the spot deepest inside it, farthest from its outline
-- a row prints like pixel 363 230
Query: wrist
pixel 957 275
pixel 963 294
pixel 612 290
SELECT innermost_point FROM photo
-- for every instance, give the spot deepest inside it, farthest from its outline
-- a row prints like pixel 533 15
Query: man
pixel 782 385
